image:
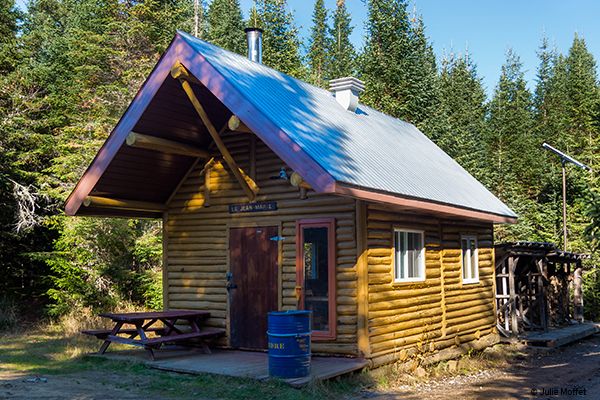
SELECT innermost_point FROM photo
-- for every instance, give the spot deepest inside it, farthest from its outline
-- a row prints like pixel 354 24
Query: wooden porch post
pixel 578 292
pixel 541 290
pixel 514 324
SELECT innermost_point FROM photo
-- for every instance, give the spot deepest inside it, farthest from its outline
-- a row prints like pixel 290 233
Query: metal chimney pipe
pixel 254 39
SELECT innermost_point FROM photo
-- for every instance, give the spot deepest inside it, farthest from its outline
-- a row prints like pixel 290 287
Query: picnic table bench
pixel 144 322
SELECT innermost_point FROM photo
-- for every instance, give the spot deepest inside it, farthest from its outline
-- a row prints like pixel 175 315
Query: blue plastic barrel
pixel 289 344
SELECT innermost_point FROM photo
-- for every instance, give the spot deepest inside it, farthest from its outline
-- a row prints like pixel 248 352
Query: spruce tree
pixel 547 57
pixel 9 16
pixel 422 86
pixel 572 104
pixel 511 149
pixel 398 65
pixel 319 45
pixel 226 25
pixel 84 61
pixel 583 102
pixel 281 43
pixel 459 123
pixel 342 54
pixel 509 138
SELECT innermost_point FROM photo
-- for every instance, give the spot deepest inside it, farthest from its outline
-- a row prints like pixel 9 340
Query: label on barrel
pixel 276 346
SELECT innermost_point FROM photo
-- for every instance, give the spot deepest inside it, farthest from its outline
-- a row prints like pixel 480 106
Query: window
pixel 409 256
pixel 315 274
pixel 470 265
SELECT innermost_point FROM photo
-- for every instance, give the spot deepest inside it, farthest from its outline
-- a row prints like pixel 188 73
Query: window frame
pixel 472 279
pixel 328 223
pixel 422 269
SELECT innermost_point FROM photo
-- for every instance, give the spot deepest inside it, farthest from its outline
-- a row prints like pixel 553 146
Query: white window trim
pixel 422 270
pixel 474 279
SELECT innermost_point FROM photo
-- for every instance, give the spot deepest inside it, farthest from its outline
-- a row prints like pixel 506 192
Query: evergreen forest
pixel 69 68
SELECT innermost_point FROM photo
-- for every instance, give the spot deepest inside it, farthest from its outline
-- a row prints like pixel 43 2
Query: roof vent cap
pixel 346 91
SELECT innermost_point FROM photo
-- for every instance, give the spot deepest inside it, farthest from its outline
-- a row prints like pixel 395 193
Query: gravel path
pixel 571 372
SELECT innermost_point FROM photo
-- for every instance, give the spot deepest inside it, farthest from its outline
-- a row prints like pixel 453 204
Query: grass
pixel 54 354
pixel 55 351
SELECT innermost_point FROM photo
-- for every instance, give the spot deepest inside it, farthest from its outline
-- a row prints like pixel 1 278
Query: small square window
pixel 470 263
pixel 409 256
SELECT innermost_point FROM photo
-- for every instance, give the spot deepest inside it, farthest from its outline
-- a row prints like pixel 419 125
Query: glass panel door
pixel 315 273
pixel 316 277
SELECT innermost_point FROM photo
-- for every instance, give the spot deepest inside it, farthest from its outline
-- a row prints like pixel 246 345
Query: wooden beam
pixel 514 325
pixel 236 125
pixel 165 259
pixel 248 185
pixel 297 181
pixel 134 205
pixel 139 140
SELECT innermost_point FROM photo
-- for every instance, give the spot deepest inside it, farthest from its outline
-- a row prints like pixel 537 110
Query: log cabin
pixel 278 195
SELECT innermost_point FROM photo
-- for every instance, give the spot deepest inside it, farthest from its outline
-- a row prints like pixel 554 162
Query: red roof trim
pixel 365 194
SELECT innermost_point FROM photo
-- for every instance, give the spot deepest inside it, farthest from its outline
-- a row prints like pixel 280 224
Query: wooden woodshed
pixel 277 195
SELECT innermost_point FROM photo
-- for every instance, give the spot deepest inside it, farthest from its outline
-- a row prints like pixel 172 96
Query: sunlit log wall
pixel 439 313
pixel 402 319
pixel 197 239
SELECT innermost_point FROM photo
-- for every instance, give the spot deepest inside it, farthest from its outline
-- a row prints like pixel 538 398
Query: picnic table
pixel 162 323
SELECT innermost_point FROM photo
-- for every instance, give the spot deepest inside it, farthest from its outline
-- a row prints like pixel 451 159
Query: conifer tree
pixel 511 150
pixel 226 25
pixel 422 85
pixel 319 45
pixel 398 65
pixel 571 105
pixel 9 16
pixel 459 125
pixel 583 102
pixel 547 57
pixel 342 61
pixel 86 59
pixel 281 43
pixel 509 140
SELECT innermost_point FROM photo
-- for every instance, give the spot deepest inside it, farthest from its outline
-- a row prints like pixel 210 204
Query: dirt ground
pixel 535 375
pixel 570 372
pixel 87 385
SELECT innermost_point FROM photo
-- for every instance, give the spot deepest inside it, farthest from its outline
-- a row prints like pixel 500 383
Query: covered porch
pixel 235 363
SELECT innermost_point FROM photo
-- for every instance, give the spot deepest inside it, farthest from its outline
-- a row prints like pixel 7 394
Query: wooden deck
pixel 556 337
pixel 242 364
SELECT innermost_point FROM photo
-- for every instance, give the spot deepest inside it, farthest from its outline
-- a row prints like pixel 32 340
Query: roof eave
pixel 430 206
pixel 125 125
pixel 181 51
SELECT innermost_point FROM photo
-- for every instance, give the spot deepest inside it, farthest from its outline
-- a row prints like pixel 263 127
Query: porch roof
pixel 367 154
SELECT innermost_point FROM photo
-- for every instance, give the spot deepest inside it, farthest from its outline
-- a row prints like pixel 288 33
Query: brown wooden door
pixel 252 284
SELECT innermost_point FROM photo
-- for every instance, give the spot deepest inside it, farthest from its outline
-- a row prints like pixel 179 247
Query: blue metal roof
pixel 367 149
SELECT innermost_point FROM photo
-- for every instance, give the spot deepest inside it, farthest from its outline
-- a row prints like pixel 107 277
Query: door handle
pixel 231 285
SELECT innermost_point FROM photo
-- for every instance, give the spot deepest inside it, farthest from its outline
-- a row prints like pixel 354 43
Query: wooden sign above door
pixel 253 207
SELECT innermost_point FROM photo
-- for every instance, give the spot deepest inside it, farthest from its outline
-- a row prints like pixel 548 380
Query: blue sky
pixel 487 28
